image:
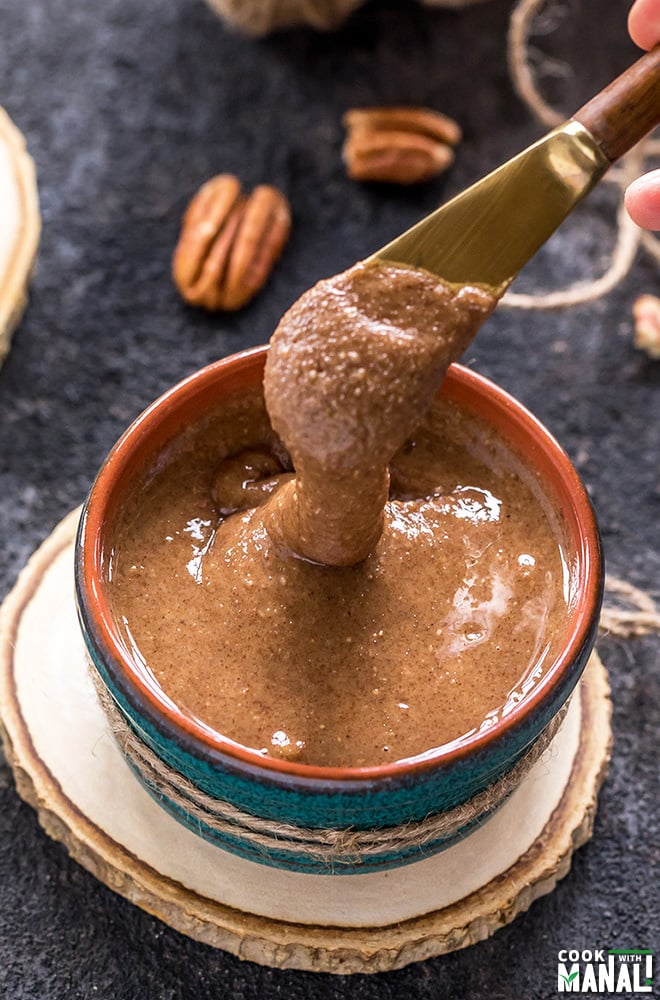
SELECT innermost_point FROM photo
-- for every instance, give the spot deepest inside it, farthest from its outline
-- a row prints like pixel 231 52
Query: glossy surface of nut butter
pixel 442 629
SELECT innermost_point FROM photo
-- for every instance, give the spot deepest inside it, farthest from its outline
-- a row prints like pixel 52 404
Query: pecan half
pixel 646 313
pixel 229 243
pixel 400 145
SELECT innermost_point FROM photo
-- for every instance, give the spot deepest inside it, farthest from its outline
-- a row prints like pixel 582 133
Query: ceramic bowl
pixel 304 796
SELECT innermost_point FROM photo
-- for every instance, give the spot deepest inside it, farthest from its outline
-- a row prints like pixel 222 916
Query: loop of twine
pixel 333 846
pixel 640 617
pixel 629 238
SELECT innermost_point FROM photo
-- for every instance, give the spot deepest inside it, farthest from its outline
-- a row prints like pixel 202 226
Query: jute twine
pixel 632 612
pixel 332 847
pixel 259 17
pixel 526 65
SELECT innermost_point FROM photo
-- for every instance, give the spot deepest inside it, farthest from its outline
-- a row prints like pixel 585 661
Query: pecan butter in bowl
pixel 284 709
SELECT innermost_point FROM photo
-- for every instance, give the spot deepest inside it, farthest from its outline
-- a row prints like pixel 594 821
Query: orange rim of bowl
pixel 175 408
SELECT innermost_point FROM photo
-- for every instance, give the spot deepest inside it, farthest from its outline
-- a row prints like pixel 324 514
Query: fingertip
pixel 642 200
pixel 644 23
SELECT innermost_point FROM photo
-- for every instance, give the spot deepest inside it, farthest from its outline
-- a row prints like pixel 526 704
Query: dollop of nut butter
pixel 345 570
pixel 351 369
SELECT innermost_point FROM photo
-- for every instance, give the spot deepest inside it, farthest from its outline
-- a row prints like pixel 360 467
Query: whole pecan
pixel 400 145
pixel 646 313
pixel 229 243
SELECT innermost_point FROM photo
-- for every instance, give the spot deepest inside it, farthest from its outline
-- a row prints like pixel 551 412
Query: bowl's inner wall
pixel 165 420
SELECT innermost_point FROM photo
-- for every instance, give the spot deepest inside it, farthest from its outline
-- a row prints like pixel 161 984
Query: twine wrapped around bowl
pixel 259 17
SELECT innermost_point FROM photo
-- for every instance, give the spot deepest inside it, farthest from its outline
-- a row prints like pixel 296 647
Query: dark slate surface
pixel 127 108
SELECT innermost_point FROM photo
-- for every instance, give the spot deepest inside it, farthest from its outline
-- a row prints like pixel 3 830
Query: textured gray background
pixel 127 107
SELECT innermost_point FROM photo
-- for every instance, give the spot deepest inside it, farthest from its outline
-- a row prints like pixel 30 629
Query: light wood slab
pixel 20 227
pixel 68 767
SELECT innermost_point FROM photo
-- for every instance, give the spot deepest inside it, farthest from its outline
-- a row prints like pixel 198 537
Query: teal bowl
pixel 292 815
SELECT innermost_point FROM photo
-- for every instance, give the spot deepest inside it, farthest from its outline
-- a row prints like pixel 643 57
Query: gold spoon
pixel 486 234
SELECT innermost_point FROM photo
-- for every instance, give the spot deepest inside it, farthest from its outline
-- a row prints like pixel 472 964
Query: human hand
pixel 643 195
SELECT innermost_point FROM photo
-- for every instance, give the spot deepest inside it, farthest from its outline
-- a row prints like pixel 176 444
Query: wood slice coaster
pixel 68 767
pixel 20 226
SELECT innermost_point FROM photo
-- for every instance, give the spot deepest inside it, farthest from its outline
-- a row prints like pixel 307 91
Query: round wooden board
pixel 196 902
pixel 20 227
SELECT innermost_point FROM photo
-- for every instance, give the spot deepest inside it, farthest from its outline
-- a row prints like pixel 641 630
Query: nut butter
pixel 384 582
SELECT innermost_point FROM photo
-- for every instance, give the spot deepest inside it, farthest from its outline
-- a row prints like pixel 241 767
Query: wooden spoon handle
pixel 625 111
